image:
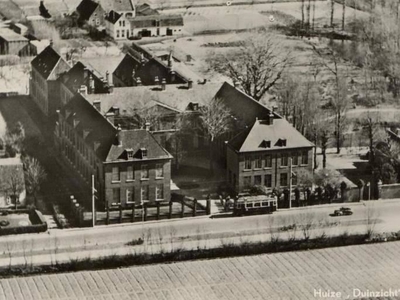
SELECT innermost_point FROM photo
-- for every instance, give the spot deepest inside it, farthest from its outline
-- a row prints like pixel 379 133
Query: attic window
pixel 129 153
pixel 281 143
pixel 195 106
pixel 143 152
pixel 265 144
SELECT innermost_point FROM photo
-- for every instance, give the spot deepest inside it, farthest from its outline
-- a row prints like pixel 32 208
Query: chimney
pixel 119 136
pixel 156 80
pixel 163 84
pixel 170 59
pixel 85 72
pixel 133 77
pixel 110 117
pixel 51 41
pixel 75 121
pixel 108 77
pixel 190 84
pixel 271 119
pixel 97 104
pixel 274 108
pixel 236 84
pixel 147 126
pixel 138 81
pixel 116 110
pixel 172 75
pixel 142 60
pixel 91 84
pixel 111 88
pixel 83 90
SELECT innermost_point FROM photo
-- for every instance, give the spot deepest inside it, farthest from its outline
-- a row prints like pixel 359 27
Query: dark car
pixel 343 211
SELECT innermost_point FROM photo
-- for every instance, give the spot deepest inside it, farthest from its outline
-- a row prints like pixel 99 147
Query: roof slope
pixel 251 139
pixel 242 105
pixel 136 140
pixel 11 36
pixel 117 5
pixel 46 61
pixel 145 10
pixel 150 21
pixel 88 118
pixel 86 8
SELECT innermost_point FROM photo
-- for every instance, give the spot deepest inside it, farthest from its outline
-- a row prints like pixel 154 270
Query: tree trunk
pixel 309 16
pixel 332 12
pixel 343 14
pixel 313 16
pixel 338 133
pixel 302 14
pixel 211 155
pixel 323 157
pixel 315 152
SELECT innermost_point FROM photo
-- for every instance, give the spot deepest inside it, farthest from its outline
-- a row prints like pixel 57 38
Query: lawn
pixel 16 220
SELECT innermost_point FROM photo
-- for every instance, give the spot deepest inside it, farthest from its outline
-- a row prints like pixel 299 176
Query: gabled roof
pixel 46 61
pixel 253 139
pixel 113 17
pixel 136 140
pixel 100 129
pixel 117 5
pixel 150 21
pixel 86 9
pixel 242 105
pixel 11 36
pixel 145 10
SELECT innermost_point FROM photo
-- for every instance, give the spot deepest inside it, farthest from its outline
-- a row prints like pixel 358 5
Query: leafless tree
pixel 371 219
pixel 256 66
pixel 305 180
pixel 34 176
pixel 215 120
pixel 14 184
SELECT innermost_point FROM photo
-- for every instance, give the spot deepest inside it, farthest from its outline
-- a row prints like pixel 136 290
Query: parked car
pixel 343 211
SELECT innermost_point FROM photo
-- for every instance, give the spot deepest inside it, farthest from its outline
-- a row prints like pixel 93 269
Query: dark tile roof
pixel 253 139
pixel 46 61
pixel 145 10
pixel 242 105
pixel 136 140
pixel 86 8
pixel 117 5
pixel 150 21
pixel 100 129
pixel 113 17
pixel 76 77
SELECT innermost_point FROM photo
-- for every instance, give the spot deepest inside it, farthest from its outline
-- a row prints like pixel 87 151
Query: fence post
pixel 194 207
pixel 208 207
pixel 108 215
pixel 158 210
pixel 133 213
pixel 120 213
pixel 182 208
pixel 145 211
pixel 170 210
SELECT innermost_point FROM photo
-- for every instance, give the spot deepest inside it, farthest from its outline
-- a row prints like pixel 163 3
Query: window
pixel 97 21
pixel 295 160
pixel 122 33
pixel 129 153
pixel 159 171
pixel 130 195
pixel 247 163
pixel 284 179
pixel 144 172
pixel 284 160
pixel 159 192
pixel 145 192
pixel 304 158
pixel 115 174
pixel 268 161
pixel 117 33
pixel 123 23
pixel 247 181
pixel 116 196
pixel 257 180
pixel 129 173
pixel 258 162
pixel 268 180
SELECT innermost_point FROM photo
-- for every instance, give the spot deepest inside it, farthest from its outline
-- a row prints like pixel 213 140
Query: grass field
pixel 292 275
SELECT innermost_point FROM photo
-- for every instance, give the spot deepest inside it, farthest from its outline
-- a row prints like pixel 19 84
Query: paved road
pixel 346 271
pixel 62 245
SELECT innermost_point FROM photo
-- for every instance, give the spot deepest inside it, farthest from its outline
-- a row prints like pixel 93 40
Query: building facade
pixel 44 87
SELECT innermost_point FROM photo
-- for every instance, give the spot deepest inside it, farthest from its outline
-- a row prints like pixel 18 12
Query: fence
pixel 38 223
pixel 180 207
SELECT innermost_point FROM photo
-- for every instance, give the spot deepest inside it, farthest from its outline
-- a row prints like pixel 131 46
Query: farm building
pixel 11 42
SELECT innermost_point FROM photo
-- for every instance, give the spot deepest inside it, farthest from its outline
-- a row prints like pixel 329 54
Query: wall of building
pixel 97 18
pixel 39 90
pixel 136 184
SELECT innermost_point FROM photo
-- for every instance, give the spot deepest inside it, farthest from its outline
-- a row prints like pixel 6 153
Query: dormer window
pixel 143 152
pixel 265 144
pixel 195 106
pixel 129 153
pixel 281 143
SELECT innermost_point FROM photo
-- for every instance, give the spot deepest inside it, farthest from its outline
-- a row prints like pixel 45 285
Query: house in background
pixel 91 13
pixel 11 42
pixel 43 83
pixel 12 180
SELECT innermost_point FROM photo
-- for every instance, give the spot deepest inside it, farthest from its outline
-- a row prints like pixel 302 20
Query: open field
pixel 293 275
